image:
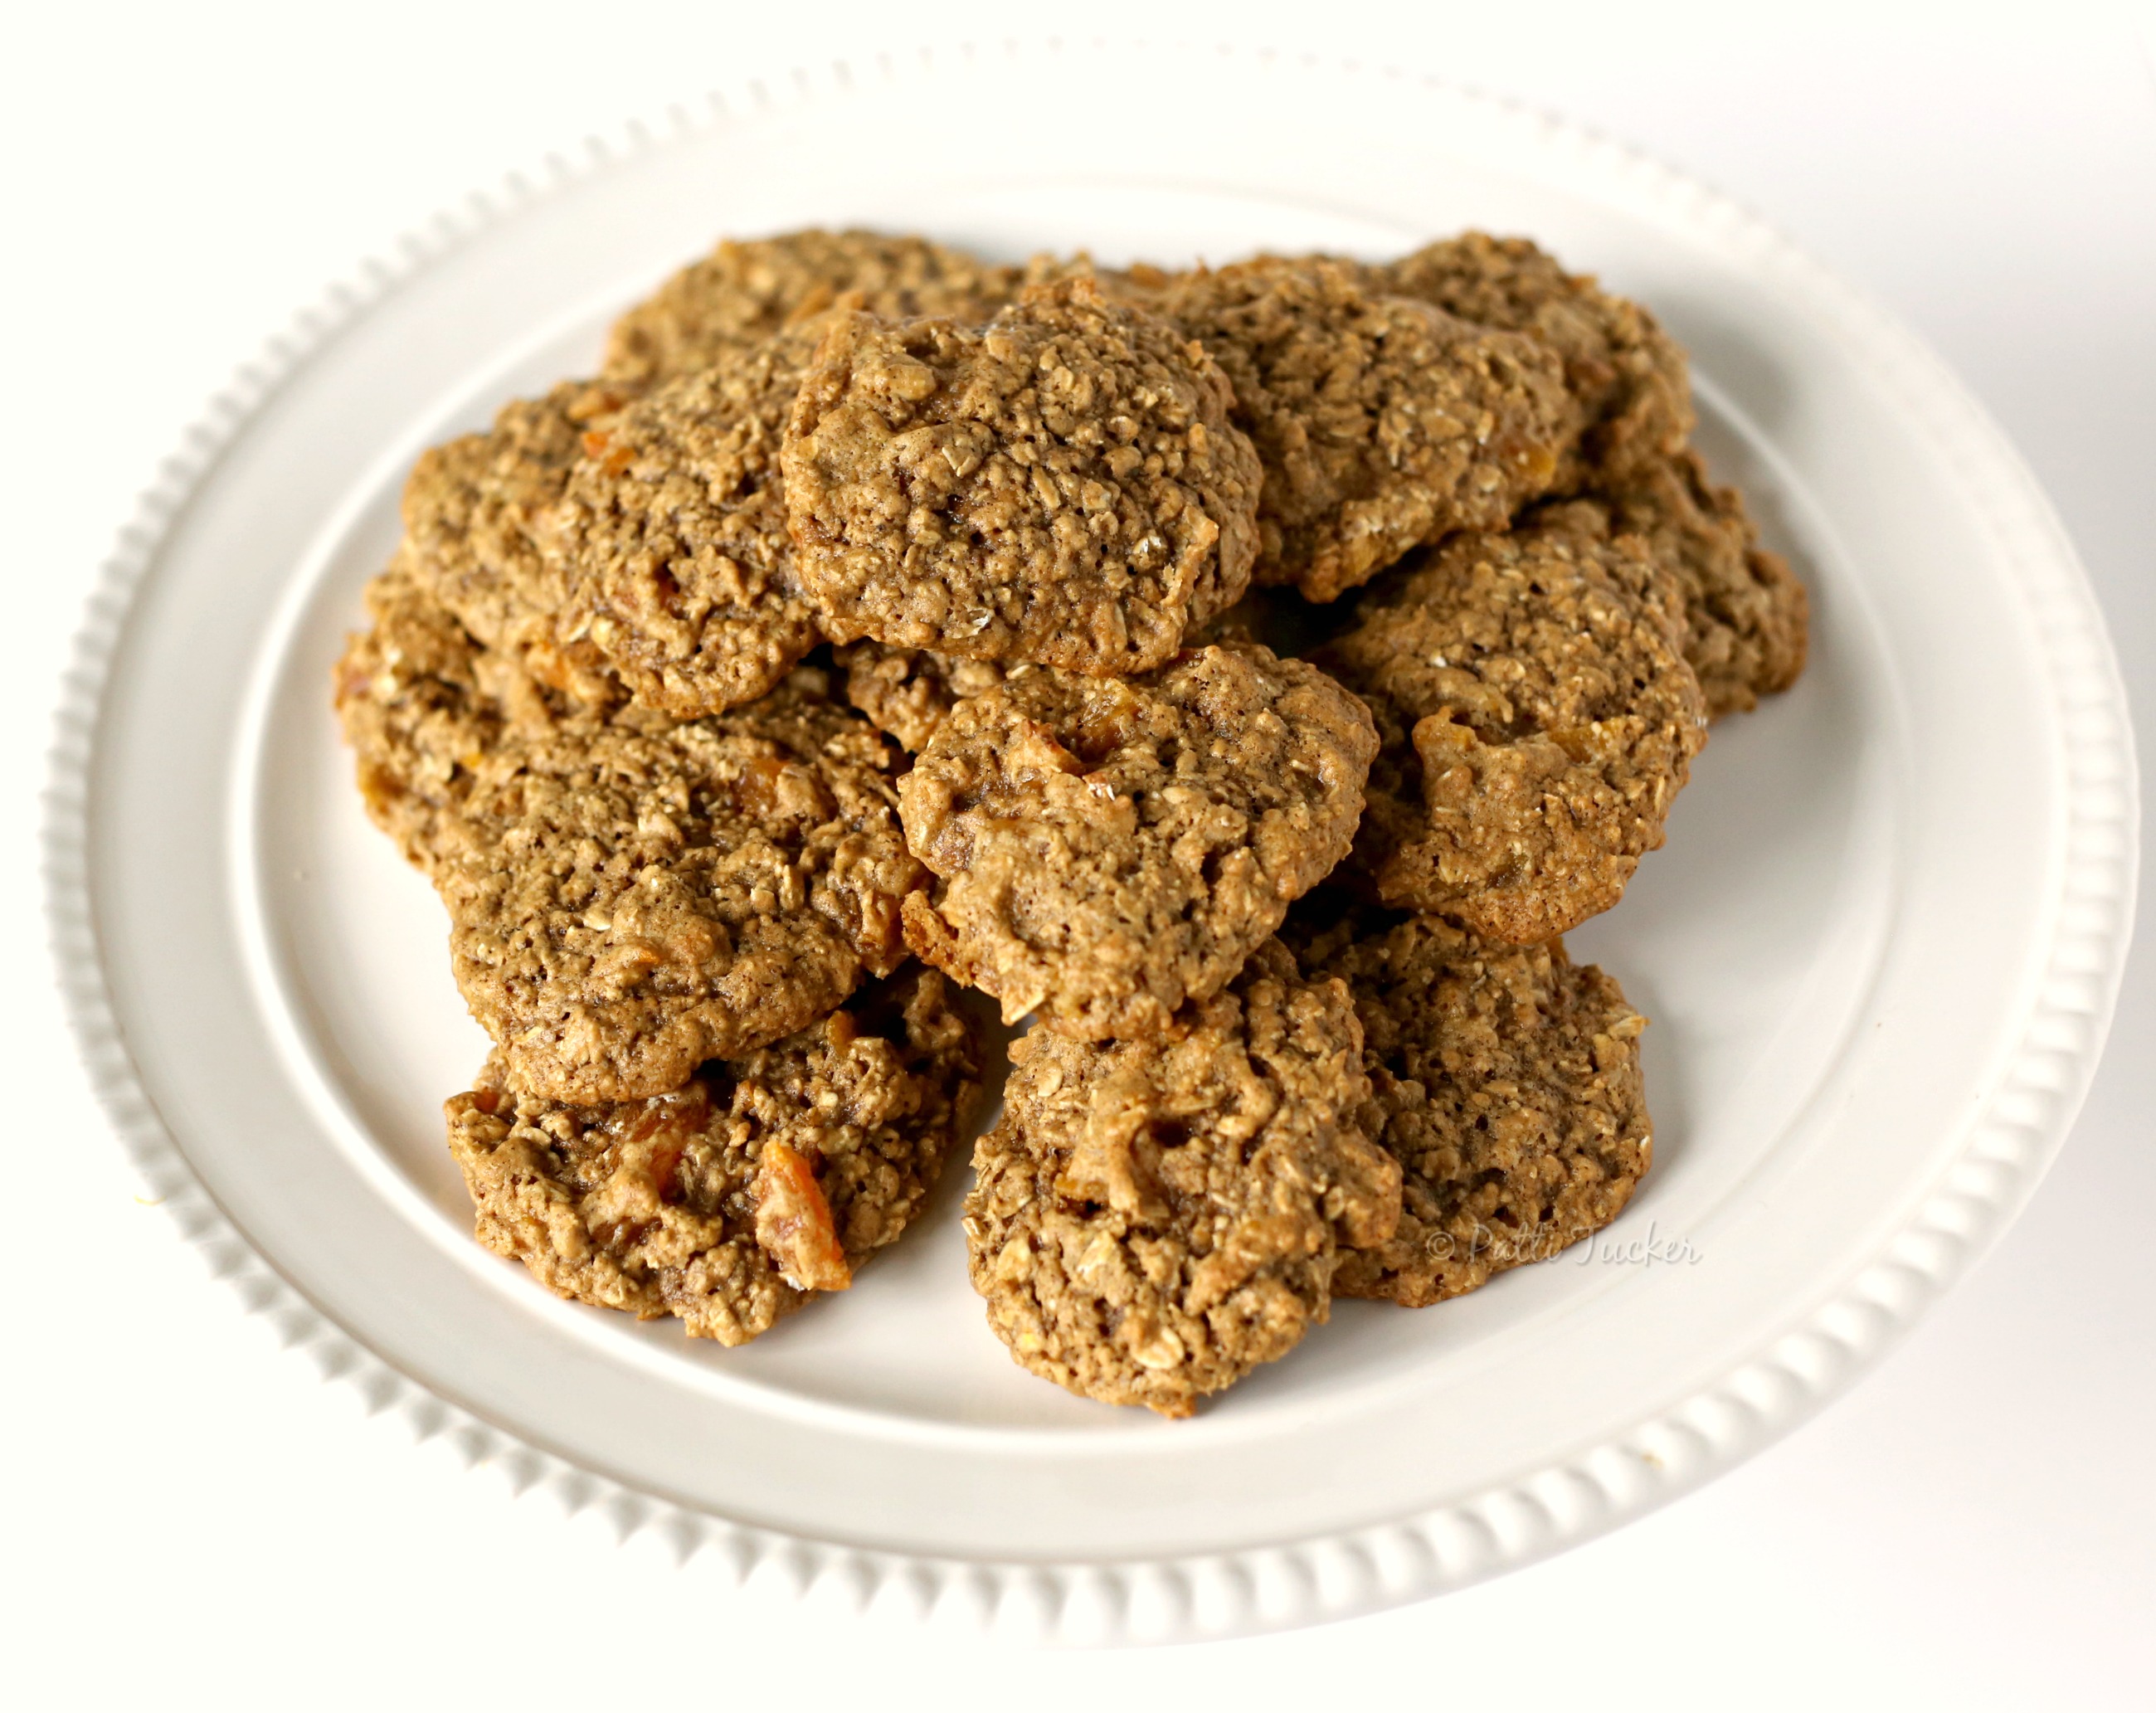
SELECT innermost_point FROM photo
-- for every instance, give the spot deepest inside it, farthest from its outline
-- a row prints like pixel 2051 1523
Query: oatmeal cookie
pixel 908 692
pixel 1382 422
pixel 1107 850
pixel 630 902
pixel 1746 614
pixel 672 537
pixel 1505 1082
pixel 1063 485
pixel 478 511
pixel 1537 719
pixel 742 293
pixel 1629 384
pixel 422 705
pixel 1151 1219
pixel 769 1177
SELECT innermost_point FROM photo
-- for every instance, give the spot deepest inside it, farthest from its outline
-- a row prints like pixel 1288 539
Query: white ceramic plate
pixel 1879 950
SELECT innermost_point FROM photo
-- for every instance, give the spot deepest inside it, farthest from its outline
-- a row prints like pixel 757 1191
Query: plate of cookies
pixel 1196 875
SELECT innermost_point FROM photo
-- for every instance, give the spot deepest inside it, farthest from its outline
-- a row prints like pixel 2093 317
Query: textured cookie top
pixel 908 692
pixel 1537 719
pixel 1106 850
pixel 742 293
pixel 1628 378
pixel 1153 1218
pixel 1505 1082
pixel 1381 421
pixel 632 903
pixel 1746 615
pixel 478 510
pixel 1063 485
pixel 671 535
pixel 768 1178
pixel 421 705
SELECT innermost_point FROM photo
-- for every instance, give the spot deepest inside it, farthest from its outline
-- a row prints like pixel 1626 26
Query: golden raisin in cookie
pixel 422 705
pixel 1628 378
pixel 1381 421
pixel 768 1178
pixel 1537 719
pixel 908 692
pixel 632 903
pixel 1505 1080
pixel 671 533
pixel 1151 1219
pixel 1107 850
pixel 742 293
pixel 1746 614
pixel 1063 485
pixel 478 511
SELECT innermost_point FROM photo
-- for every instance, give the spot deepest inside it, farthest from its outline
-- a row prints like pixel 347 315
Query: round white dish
pixel 1880 949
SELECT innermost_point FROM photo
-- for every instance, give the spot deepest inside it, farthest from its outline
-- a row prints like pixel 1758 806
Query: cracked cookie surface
pixel 1062 485
pixel 1505 1082
pixel 745 292
pixel 1381 421
pixel 1106 850
pixel 1151 1219
pixel 629 903
pixel 770 1177
pixel 1537 719
pixel 671 535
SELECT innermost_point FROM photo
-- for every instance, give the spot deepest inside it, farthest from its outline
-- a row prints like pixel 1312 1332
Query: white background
pixel 194 1516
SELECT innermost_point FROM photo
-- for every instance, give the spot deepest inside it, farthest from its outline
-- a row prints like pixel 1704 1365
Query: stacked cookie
pixel 1248 674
